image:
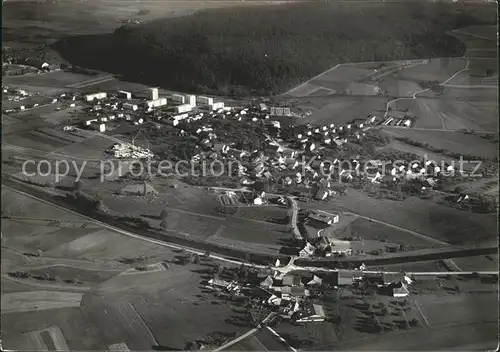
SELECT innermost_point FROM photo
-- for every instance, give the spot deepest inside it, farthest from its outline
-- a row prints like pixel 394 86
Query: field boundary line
pixel 435 129
pixel 465 32
pixel 236 340
pixel 281 338
pixel 309 80
pixel 62 287
pixel 130 234
pixel 421 313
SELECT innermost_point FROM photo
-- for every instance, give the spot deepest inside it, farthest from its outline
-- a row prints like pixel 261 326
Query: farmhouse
pixel 297 291
pixel 307 251
pixel 337 278
pixel 339 247
pixel 323 219
pixel 310 313
pixel 268 282
pixel 400 290
pixel 138 189
pixel 315 281
pixel 291 280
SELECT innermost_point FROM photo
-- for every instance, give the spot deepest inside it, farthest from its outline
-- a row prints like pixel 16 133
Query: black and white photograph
pixel 250 175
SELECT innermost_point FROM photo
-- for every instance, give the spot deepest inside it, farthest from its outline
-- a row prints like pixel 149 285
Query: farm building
pixel 339 247
pixel 101 127
pixel 337 278
pixel 124 95
pixel 138 189
pixel 36 63
pixel 323 219
pixel 291 280
pixel 315 281
pixel 95 96
pixel 307 251
pixel 400 290
pixel 267 282
pixel 296 291
pixel 310 313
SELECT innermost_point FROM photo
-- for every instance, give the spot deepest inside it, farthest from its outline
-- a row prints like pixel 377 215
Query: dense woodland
pixel 267 49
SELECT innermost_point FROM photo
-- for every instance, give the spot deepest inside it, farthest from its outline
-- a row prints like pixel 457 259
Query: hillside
pixel 266 50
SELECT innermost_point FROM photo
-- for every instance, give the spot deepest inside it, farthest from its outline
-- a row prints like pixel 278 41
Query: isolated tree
pixel 234 275
pixel 196 259
pixel 101 207
pixel 218 269
pixel 206 255
pixel 78 186
pixel 163 214
pixel 163 217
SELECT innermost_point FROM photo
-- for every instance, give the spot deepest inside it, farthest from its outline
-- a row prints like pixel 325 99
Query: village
pixel 295 296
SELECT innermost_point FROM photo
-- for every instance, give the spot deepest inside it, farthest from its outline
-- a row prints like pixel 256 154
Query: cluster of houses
pixel 291 160
pixel 397 118
pixel 294 295
pixel 427 172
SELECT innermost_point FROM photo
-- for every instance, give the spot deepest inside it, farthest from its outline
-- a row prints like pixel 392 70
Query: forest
pixel 266 50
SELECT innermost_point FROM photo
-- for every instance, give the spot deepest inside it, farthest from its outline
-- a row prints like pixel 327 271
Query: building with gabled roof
pixel 268 282
pixel 310 313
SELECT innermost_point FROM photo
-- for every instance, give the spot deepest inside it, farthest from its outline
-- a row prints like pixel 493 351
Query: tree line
pixel 265 50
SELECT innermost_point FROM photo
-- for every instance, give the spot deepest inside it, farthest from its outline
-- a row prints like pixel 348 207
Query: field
pixel 455 142
pixel 142 310
pixel 481 31
pixel 474 308
pixel 58 79
pixel 48 339
pixel 435 70
pixel 369 230
pixel 39 300
pixel 487 263
pixel 434 113
pixel 68 273
pixel 339 109
pixel 425 217
pixel 429 303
